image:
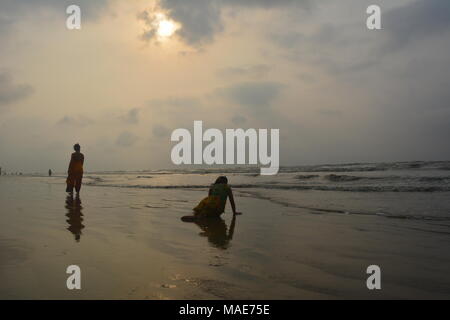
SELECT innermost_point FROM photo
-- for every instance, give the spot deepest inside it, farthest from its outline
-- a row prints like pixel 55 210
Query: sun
pixel 166 28
pixel 159 25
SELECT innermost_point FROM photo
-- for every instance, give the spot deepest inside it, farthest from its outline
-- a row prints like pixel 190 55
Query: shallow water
pixel 131 244
pixel 418 190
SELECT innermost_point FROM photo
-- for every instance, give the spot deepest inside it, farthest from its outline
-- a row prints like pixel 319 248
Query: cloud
pixel 348 47
pixel 352 92
pixel 255 95
pixel 330 112
pixel 266 4
pixel 252 71
pixel 201 20
pixel 160 131
pixel 306 78
pixel 150 31
pixel 416 20
pixel 238 120
pixel 287 40
pixel 77 121
pixel 131 117
pixel 337 49
pixel 126 139
pixel 11 92
pixel 177 102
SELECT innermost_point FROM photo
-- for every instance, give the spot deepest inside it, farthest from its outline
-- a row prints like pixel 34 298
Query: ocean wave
pixel 306 176
pixel 314 210
pixel 94 179
pixel 371 167
pixel 334 169
pixel 250 174
pixel 434 179
pixel 255 170
pixel 342 178
pixel 410 179
pixel 364 188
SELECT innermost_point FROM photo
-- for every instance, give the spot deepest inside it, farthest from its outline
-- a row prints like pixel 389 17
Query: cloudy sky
pixel 139 69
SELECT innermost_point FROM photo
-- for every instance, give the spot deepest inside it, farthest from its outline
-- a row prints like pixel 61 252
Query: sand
pixel 131 244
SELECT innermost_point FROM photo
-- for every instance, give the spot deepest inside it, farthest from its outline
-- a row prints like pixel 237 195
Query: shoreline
pixel 133 245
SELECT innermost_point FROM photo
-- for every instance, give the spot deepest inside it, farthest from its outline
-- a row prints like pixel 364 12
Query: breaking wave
pixel 387 188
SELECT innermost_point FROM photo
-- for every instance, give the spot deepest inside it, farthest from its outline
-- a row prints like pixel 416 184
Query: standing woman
pixel 75 171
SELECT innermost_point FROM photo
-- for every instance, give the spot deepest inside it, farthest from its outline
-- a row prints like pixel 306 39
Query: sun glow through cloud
pixel 166 28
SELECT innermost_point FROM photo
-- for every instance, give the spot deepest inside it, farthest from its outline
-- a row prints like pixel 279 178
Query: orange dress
pixel 214 204
pixel 75 172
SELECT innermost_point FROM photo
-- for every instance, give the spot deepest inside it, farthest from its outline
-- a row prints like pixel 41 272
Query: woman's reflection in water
pixel 74 215
pixel 215 229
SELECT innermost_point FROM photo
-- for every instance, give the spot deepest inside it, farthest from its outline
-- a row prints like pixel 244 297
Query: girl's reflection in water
pixel 74 215
pixel 215 229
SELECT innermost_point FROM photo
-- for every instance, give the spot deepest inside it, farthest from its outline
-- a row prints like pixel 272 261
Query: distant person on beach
pixel 49 172
pixel 75 172
pixel 214 204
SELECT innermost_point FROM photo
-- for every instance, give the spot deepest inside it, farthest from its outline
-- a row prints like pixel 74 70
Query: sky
pixel 120 85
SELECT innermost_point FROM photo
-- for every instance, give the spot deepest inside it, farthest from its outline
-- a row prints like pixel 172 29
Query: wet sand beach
pixel 131 244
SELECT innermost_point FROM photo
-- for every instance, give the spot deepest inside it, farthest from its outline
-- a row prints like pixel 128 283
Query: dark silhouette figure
pixel 49 172
pixel 75 216
pixel 75 171
pixel 215 229
pixel 214 204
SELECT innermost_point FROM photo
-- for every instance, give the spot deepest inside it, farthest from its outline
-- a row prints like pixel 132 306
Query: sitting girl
pixel 214 204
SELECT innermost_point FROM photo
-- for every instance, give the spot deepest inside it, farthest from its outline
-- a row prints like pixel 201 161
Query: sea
pixel 403 190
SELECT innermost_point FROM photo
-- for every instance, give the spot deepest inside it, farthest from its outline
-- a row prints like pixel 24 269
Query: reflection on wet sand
pixel 74 215
pixel 215 229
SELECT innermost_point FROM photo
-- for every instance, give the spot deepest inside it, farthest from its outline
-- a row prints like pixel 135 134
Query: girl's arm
pixel 233 205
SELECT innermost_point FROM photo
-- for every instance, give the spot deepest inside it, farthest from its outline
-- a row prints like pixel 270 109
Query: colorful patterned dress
pixel 75 171
pixel 214 204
